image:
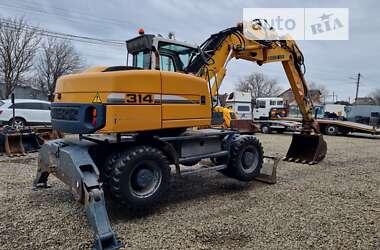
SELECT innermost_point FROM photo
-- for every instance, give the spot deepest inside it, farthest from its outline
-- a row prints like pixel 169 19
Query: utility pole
pixel 357 87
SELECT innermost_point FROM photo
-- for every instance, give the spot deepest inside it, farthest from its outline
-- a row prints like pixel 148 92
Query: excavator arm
pixel 220 48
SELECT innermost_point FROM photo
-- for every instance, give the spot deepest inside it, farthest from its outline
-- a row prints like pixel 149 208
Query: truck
pixel 355 119
pixel 261 112
pixel 338 127
pixel 241 104
pixel 267 107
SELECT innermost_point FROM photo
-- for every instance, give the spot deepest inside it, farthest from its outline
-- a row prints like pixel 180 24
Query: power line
pixel 82 17
pixel 60 35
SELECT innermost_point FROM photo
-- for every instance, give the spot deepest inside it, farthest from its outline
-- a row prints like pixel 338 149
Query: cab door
pixel 185 100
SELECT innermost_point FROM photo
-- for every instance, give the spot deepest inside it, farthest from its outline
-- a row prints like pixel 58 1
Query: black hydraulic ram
pixel 72 164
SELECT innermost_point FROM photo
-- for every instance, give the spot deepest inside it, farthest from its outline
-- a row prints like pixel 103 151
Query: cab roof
pixel 146 41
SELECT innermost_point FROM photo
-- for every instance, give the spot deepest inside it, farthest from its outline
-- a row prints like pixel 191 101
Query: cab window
pixel 243 108
pixel 27 105
pixel 179 54
pixel 142 59
pixel 167 63
pixel 260 104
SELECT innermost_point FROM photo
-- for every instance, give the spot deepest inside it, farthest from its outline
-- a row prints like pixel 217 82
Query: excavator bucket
pixel 308 149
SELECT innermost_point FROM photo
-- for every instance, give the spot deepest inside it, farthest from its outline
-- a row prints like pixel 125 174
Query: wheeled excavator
pixel 135 121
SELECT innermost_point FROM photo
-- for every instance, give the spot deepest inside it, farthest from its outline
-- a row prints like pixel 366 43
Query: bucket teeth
pixel 307 149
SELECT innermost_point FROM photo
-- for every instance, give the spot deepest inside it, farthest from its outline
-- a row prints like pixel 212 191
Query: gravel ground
pixel 335 204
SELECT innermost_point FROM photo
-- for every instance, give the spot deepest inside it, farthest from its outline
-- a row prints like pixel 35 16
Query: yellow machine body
pixel 145 99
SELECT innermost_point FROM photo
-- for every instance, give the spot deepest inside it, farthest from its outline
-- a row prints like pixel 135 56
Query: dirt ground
pixel 335 204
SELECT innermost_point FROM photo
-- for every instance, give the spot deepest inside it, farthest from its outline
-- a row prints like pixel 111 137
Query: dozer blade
pixel 308 149
pixel 268 172
pixel 13 144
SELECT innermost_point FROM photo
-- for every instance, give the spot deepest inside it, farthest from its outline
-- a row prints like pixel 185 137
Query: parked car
pixel 27 112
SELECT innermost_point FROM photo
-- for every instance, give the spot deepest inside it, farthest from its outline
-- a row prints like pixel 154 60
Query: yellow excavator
pixel 135 121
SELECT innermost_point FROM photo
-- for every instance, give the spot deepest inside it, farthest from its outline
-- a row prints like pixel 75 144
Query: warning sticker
pixel 97 98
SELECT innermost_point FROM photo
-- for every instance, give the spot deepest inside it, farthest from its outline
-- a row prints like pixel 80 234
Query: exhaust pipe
pixel 307 149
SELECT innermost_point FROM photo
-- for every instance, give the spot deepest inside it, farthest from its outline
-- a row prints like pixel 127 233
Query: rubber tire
pixel 224 159
pixel 18 119
pixel 109 165
pixel 331 130
pixel 265 129
pixel 124 167
pixel 235 168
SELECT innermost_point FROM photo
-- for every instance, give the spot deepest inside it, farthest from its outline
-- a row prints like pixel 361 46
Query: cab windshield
pixel 174 57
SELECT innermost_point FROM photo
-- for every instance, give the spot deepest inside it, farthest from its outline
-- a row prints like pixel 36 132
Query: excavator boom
pixel 220 48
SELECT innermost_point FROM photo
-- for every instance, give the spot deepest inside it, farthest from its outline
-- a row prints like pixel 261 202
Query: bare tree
pixel 258 85
pixel 376 96
pixel 18 46
pixel 57 58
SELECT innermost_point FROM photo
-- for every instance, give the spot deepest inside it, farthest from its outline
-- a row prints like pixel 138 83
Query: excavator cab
pixel 155 52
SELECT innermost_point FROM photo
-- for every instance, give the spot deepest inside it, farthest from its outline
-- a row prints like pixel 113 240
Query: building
pixel 288 97
pixel 364 101
pixel 290 101
pixel 26 92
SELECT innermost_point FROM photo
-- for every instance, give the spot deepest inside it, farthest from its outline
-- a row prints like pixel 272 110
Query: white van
pixel 264 105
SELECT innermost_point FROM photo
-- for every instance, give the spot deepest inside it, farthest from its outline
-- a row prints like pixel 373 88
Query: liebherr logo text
pixel 276 57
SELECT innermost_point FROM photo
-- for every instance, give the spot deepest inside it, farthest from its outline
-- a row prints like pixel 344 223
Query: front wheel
pixel 140 177
pixel 246 158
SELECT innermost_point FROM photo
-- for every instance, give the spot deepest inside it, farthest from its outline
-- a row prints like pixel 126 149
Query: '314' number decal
pixel 139 98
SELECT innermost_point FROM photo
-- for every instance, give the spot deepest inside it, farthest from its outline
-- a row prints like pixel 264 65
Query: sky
pixel 334 64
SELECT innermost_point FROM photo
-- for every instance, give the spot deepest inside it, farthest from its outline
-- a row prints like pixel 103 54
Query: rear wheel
pixel 140 177
pixel 331 130
pixel 18 122
pixel 246 158
pixel 265 129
